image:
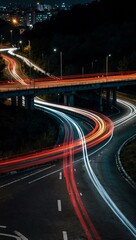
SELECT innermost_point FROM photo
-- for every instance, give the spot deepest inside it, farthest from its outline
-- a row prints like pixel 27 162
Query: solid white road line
pixel 29 175
pixel 47 175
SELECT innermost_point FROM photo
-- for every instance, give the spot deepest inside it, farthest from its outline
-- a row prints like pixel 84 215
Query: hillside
pixel 86 34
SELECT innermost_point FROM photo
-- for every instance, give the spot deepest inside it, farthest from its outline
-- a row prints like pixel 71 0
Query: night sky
pixel 68 2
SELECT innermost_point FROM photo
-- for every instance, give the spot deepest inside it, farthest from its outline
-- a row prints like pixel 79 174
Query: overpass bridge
pixel 68 86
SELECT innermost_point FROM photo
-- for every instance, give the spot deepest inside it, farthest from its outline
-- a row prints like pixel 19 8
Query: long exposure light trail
pixel 101 132
pixel 26 60
pixel 103 129
pixel 67 151
pixel 79 208
pixel 12 70
pixel 97 135
pixel 97 183
pixel 131 115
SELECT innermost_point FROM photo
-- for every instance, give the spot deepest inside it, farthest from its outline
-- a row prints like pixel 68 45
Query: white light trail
pixel 89 169
pixel 27 61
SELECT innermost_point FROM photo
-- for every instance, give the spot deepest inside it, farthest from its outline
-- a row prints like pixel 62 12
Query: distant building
pixel 29 18
pixel 40 16
pixel 27 15
pixel 2 9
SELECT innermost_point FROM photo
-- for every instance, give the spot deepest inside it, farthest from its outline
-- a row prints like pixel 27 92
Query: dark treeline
pixel 5 33
pixel 86 34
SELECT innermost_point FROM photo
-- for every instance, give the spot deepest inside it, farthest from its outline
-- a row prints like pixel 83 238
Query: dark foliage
pixel 23 131
pixel 87 33
pixel 2 65
pixel 5 32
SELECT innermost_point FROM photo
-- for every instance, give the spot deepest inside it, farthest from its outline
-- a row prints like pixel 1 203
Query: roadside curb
pixel 120 166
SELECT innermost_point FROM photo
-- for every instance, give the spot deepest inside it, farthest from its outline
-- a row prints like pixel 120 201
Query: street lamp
pixel 11 36
pixel 107 64
pixel 94 61
pixel 83 71
pixel 29 44
pixel 21 45
pixel 55 50
pixel 1 39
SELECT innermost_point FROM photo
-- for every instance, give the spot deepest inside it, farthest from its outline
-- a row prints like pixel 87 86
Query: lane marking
pixel 65 236
pixel 59 205
pixel 20 179
pixel 47 175
pixel 20 235
pixel 60 176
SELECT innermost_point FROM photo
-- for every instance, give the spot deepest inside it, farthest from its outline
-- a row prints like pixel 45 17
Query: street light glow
pixel 107 64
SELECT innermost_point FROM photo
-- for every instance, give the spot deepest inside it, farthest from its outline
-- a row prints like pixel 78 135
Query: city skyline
pixel 68 2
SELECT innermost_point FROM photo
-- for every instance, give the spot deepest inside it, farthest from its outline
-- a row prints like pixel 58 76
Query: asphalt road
pixel 35 205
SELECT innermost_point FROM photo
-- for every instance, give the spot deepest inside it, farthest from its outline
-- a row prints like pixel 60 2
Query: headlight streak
pixel 87 142
pixel 12 70
pixel 95 180
pixel 27 61
pixel 129 116
pixel 97 184
pixel 79 208
pixel 28 160
pixel 68 148
pixel 103 131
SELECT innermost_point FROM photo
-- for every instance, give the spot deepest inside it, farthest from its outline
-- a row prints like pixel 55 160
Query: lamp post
pixel 1 39
pixel 83 71
pixel 21 45
pixel 11 31
pixel 61 65
pixel 55 50
pixel 29 44
pixel 93 64
pixel 107 64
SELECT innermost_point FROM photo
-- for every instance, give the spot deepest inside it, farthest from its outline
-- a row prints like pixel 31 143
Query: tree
pixel 2 65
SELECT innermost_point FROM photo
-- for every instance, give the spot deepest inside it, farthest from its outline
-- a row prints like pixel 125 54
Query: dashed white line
pixel 60 176
pixel 65 236
pixel 59 205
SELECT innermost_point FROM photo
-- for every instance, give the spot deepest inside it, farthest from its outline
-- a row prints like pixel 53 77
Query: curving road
pixel 82 197
pixel 97 220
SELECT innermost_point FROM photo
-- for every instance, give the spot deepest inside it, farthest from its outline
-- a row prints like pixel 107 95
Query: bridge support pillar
pixel 114 98
pixel 20 101
pixel 108 97
pixel 71 100
pixel 13 101
pixel 29 102
pixel 65 99
pixel 100 100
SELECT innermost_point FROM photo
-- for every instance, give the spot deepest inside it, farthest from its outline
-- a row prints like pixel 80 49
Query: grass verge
pixel 128 159
pixel 24 131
